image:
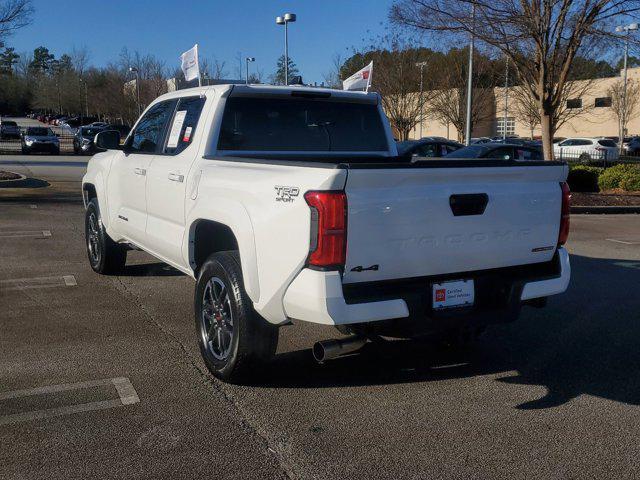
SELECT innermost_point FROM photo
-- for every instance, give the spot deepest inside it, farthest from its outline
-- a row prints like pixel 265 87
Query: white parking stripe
pixel 37 282
pixel 27 233
pixel 622 241
pixel 127 395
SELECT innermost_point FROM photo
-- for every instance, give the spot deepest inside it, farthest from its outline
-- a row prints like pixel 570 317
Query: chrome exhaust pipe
pixel 330 349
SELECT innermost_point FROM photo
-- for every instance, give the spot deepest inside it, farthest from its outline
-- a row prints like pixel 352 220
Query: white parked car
pixel 586 149
pixel 290 204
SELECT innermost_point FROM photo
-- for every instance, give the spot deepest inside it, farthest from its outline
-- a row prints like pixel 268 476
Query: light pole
pixel 421 65
pixel 135 70
pixel 506 100
pixel 626 29
pixel 247 60
pixel 467 133
pixel 285 20
pixel 86 97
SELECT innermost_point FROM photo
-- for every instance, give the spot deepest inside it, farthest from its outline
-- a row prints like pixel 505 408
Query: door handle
pixel 140 171
pixel 176 177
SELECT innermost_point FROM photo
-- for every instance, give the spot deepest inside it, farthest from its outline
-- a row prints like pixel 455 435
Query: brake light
pixel 328 246
pixel 563 235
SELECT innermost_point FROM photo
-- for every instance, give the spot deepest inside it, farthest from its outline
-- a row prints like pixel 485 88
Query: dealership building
pixel 593 115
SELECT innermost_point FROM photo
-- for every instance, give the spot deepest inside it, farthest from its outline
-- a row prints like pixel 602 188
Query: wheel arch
pixel 228 228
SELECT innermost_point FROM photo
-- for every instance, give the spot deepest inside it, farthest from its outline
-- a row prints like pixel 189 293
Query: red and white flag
pixel 189 64
pixel 361 80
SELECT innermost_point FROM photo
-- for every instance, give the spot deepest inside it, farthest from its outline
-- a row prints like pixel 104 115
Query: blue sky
pixel 221 28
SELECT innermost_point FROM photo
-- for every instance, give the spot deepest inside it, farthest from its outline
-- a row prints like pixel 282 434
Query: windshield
pixel 39 132
pixel 472 151
pixel 277 124
pixel 90 132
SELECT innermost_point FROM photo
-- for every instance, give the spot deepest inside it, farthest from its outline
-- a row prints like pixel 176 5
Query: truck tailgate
pixel 414 222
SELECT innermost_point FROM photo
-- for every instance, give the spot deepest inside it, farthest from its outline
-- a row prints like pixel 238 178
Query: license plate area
pixel 453 294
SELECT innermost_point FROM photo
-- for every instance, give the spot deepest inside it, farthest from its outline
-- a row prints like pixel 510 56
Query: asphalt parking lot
pixel 100 377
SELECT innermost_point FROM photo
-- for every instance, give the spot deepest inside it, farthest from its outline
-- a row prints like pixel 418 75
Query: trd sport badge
pixel 286 194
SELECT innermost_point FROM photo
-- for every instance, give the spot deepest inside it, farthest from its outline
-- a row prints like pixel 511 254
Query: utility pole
pixel 506 100
pixel 285 20
pixel 421 65
pixel 467 139
pixel 135 70
pixel 623 117
pixel 248 59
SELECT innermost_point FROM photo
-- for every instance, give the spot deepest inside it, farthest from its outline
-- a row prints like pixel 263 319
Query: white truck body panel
pixel 398 218
pixel 401 220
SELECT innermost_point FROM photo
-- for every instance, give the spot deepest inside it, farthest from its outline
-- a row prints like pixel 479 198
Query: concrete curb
pixel 605 210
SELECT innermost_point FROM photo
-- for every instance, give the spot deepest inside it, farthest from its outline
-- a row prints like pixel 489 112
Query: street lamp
pixel 467 139
pixel 286 20
pixel 247 60
pixel 421 65
pixel 135 70
pixel 626 29
pixel 86 97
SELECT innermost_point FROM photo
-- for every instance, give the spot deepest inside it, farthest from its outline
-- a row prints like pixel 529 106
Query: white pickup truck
pixel 290 204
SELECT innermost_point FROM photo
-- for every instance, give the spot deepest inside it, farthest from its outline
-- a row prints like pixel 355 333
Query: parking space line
pixel 38 282
pixel 622 241
pixel 127 395
pixel 27 233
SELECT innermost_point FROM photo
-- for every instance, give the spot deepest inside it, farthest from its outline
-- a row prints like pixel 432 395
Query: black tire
pixel 25 151
pixel 233 339
pixel 105 256
pixel 585 158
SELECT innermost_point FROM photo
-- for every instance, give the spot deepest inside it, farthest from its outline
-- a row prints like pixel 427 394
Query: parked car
pixel 241 193
pixel 499 151
pixel 83 140
pixel 427 147
pixel 39 139
pixel 586 149
pixel 99 124
pixel 632 147
pixel 477 140
pixel 9 129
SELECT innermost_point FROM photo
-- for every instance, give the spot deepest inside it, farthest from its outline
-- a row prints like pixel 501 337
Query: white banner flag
pixel 190 66
pixel 359 80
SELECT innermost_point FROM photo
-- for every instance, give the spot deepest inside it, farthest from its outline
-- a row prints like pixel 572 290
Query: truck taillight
pixel 565 214
pixel 328 244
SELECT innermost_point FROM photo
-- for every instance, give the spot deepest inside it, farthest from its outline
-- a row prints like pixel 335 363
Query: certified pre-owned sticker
pixel 286 194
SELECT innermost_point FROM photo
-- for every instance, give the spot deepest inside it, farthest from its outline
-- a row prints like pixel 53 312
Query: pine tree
pixel 278 77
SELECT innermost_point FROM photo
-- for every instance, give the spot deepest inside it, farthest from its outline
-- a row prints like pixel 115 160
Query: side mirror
pixel 108 140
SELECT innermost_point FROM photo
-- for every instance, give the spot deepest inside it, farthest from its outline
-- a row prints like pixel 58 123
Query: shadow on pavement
pixel 585 342
pixel 157 269
pixel 25 183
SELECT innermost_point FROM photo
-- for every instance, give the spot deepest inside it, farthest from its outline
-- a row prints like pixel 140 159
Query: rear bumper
pixel 319 297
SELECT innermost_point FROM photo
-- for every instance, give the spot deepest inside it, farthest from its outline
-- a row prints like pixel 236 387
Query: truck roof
pixel 260 89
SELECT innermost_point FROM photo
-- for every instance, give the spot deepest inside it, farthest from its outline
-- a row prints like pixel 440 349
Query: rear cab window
pixel 264 124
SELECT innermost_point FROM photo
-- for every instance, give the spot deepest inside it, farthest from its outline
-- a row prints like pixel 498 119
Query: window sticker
pixel 187 135
pixel 174 135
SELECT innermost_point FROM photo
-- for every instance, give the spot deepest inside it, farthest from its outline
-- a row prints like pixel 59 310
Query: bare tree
pixel 14 14
pixel 527 110
pixel 448 103
pixel 540 37
pixel 80 59
pixel 332 77
pixel 621 112
pixel 525 107
pixel 396 77
pixel 218 70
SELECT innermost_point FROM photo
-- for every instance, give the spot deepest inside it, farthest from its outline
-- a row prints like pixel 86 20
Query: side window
pixel 148 132
pixel 566 143
pixel 183 125
pixel 503 153
pixel 428 150
pixel 526 154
